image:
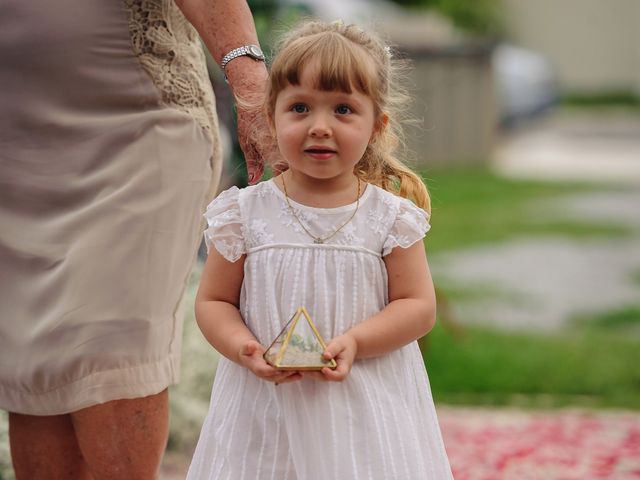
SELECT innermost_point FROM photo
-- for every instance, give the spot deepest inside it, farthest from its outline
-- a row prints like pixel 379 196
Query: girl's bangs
pixel 338 64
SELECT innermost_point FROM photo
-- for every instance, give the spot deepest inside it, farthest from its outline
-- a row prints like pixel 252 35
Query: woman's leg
pixel 124 438
pixel 45 448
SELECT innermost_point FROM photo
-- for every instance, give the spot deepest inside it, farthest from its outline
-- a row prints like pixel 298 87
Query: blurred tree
pixel 265 12
pixel 482 17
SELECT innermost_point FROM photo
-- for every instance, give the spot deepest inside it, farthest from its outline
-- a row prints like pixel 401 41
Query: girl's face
pixel 322 134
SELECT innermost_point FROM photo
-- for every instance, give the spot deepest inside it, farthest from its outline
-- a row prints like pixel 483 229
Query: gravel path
pixel 543 282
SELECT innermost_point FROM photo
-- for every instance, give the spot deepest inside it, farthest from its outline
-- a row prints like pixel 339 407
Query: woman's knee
pixel 124 438
pixel 45 447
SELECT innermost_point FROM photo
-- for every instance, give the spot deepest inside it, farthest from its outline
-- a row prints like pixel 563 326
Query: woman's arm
pixel 224 25
pixel 219 319
pixel 410 314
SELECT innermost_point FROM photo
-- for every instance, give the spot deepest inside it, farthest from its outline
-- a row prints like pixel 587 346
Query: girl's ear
pixel 380 126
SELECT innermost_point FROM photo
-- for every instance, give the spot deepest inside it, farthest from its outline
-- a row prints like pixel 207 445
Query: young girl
pixel 333 234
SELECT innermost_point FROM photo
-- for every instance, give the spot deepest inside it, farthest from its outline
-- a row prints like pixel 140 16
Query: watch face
pixel 254 51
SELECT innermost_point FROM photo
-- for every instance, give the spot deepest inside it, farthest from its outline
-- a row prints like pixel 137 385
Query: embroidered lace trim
pixel 169 50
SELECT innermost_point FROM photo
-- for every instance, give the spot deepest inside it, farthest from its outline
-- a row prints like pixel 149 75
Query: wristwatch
pixel 252 51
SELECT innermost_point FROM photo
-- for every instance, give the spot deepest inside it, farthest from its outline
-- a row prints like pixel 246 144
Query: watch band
pixel 252 51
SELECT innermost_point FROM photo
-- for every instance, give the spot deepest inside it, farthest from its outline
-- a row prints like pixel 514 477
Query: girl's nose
pixel 320 128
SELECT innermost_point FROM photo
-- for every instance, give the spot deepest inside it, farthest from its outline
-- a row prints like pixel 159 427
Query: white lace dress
pixel 378 424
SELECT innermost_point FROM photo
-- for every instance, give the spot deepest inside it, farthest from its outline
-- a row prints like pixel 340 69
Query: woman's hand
pixel 224 25
pixel 251 357
pixel 247 79
pixel 343 350
pixel 250 121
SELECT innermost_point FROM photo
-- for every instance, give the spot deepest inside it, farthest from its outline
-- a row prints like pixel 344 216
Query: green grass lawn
pixel 592 367
pixel 473 207
pixel 593 363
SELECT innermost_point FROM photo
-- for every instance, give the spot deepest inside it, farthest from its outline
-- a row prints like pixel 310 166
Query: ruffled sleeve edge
pixel 224 220
pixel 410 226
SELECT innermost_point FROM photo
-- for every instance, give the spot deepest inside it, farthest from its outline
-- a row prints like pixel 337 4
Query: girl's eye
pixel 299 108
pixel 343 109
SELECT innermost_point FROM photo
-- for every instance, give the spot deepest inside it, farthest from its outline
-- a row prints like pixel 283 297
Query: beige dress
pixel 108 155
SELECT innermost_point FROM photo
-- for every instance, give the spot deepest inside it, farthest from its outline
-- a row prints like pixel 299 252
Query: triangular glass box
pixel 299 346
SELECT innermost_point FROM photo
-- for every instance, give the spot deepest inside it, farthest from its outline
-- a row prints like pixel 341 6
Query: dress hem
pixel 94 389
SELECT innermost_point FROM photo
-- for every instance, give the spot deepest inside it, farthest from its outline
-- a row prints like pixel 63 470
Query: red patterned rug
pixel 557 445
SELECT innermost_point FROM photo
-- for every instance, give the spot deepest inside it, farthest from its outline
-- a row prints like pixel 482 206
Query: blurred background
pixel 528 137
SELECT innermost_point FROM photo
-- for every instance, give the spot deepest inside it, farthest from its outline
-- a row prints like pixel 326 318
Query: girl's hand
pixel 343 350
pixel 251 357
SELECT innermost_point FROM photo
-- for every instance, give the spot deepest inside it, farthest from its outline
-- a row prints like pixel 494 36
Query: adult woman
pixel 109 149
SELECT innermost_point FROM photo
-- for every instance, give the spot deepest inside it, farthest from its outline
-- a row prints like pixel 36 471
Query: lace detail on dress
pixel 289 221
pixel 411 224
pixel 378 220
pixel 226 230
pixel 256 233
pixel 169 50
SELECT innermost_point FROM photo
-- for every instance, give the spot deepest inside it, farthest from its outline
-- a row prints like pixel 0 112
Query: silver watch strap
pixel 239 52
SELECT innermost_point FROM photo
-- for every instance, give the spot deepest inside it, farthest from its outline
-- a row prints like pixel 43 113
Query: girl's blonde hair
pixel 349 57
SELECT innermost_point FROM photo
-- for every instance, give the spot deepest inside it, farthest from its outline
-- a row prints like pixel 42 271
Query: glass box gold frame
pixel 298 346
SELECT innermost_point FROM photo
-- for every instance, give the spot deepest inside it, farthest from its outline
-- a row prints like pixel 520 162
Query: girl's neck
pixel 329 193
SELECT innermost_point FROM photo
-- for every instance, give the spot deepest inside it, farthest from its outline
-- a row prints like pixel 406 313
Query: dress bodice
pixel 340 282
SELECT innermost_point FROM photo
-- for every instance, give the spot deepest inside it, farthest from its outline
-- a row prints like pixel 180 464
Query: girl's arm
pixel 409 315
pixel 219 319
pixel 411 312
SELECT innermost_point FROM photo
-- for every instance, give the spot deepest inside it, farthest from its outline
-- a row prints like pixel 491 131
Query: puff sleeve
pixel 411 224
pixel 224 222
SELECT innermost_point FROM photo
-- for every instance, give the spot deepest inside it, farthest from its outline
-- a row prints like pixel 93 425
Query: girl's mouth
pixel 319 150
pixel 319 153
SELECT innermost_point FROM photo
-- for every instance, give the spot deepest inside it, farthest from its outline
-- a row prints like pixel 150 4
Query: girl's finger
pixel 331 351
pixel 332 375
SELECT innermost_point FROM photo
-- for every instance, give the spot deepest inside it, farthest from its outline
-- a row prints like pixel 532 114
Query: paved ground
pixel 544 282
pixel 575 145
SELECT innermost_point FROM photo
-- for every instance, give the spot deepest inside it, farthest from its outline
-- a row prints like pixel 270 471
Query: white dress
pixel 380 423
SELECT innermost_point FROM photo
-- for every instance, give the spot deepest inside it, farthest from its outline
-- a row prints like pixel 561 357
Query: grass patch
pixel 474 207
pixel 602 100
pixel 621 318
pixel 483 366
pixel 592 365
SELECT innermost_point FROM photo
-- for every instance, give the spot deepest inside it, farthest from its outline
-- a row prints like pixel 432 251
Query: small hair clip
pixel 388 51
pixel 338 23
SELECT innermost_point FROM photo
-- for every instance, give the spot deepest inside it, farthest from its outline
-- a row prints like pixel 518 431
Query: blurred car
pixel 526 83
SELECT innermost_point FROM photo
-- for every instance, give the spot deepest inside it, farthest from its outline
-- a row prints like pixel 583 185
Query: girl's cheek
pixel 287 136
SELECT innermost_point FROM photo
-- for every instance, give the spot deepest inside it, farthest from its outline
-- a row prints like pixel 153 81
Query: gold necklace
pixel 319 240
